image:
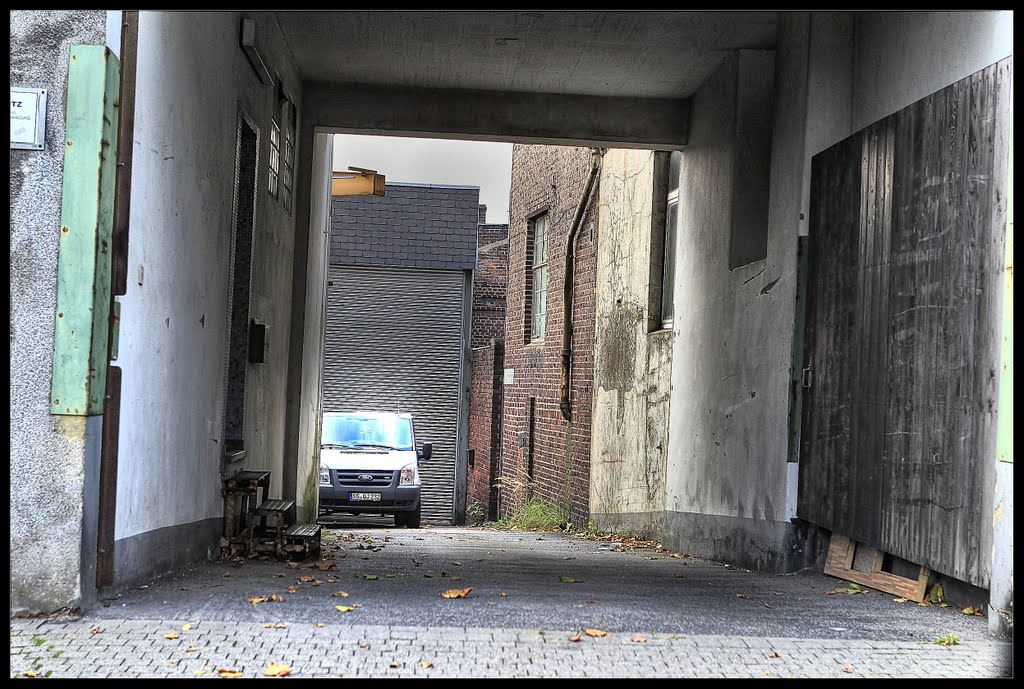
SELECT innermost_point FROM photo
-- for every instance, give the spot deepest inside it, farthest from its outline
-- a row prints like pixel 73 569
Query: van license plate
pixel 364 497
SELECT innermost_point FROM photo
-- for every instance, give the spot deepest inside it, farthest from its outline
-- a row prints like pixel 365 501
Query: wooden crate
pixel 840 564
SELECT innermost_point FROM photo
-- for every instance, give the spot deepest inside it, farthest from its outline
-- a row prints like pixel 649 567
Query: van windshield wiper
pixel 341 446
pixel 385 447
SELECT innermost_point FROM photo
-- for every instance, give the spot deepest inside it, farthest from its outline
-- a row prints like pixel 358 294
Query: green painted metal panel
pixel 80 347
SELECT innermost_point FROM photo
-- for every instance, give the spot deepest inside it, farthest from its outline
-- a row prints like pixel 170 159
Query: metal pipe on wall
pixel 597 154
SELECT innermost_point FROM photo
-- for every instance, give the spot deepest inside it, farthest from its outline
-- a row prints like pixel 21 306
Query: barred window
pixel 274 158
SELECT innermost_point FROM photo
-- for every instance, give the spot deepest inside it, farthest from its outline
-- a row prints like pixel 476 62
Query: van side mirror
pixel 426 451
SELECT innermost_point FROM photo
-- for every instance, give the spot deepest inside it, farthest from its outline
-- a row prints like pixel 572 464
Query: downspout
pixel 570 266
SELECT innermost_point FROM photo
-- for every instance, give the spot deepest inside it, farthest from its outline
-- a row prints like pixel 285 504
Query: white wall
pixel 192 78
pixel 901 57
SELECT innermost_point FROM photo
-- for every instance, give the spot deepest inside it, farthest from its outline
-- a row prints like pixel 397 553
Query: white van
pixel 369 464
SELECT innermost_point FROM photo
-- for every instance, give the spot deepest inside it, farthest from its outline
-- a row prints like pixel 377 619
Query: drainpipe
pixel 570 247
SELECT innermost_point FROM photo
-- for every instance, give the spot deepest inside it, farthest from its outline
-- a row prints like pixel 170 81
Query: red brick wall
pixel 489 283
pixel 485 426
pixel 552 179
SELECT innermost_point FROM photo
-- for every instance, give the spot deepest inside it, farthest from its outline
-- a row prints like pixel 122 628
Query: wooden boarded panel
pixel 904 303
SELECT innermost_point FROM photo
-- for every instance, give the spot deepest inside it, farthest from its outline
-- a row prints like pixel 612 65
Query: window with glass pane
pixel 539 281
pixel 275 157
pixel 671 221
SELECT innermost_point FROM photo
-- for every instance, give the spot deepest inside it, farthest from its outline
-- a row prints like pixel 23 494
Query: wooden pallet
pixel 839 563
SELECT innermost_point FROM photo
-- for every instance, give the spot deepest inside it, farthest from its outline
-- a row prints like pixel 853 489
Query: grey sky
pixel 484 164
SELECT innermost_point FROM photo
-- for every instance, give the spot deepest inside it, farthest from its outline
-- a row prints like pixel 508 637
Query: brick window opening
pixel 275 158
pixel 536 278
pixel 664 237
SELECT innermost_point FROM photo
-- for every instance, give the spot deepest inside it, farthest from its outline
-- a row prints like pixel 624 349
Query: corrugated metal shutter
pixel 394 343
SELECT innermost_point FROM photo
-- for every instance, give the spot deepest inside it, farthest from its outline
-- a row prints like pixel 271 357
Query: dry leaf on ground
pixel 847 669
pixel 172 636
pixel 576 637
pixel 570 580
pixel 638 640
pixel 395 663
pixel 293 589
pixel 344 608
pixel 364 645
pixel 972 611
pixel 595 632
pixel 340 594
pixel 225 672
pixel 186 627
pixel 306 579
pixel 276 625
pixel 774 655
pixel 318 625
pixel 370 577
pixel 900 600
pixel 456 593
pixel 191 649
pixel 503 594
pixel 95 630
pixel 294 565
pixel 426 664
pixel 30 673
pixel 276 670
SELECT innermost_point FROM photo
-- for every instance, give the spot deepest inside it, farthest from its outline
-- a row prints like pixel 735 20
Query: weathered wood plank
pixel 904 325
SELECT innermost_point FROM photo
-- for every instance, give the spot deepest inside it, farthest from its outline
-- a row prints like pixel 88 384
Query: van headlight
pixel 325 476
pixel 410 476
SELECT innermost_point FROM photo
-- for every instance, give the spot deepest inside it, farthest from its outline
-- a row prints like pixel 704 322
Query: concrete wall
pixel 193 77
pixel 920 53
pixel 727 476
pixel 632 368
pixel 48 453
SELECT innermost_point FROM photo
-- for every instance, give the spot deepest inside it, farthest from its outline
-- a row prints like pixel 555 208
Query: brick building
pixel 490 282
pixel 544 455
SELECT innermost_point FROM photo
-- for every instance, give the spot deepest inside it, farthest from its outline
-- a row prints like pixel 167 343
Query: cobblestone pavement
pixel 138 648
pixel 667 615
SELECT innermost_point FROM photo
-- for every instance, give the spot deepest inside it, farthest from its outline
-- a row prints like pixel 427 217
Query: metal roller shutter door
pixel 394 343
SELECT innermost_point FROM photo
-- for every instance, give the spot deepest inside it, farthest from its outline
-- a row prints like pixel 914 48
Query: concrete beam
pixel 526 118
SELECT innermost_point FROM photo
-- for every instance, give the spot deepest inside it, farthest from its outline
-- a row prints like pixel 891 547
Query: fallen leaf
pixel 570 580
pixel 774 655
pixel 340 594
pixel 318 625
pixel 224 672
pixel 370 577
pixel 306 579
pixel 276 625
pixel 972 611
pixel 186 627
pixel 457 564
pixel 276 670
pixel 30 673
pixel 576 637
pixel 278 575
pixel 768 605
pixel 925 604
pixel 344 608
pixel 293 589
pixel 364 645
pixel 590 602
pixel 639 640
pixel 324 566
pixel 851 589
pixel 294 565
pixel 675 555
pixel 426 664
pixel 900 600
pixel 257 599
pixel 95 630
pixel 847 669
pixel 456 593
pixel 776 593
pixel 200 672
pixel 395 663
pixel 503 594
pixel 276 598
pixel 741 595
pixel 331 581
pixel 456 578
pixel 595 632
pixel 191 649
pixel 172 636
pixel 490 602
pixel 173 661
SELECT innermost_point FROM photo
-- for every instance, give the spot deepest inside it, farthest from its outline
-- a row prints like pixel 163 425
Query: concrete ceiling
pixel 639 54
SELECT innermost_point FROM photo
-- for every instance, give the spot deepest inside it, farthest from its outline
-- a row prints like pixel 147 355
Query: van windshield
pixel 362 431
